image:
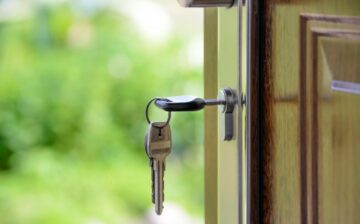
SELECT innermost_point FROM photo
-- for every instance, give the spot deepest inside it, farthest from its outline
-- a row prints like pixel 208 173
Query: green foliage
pixel 72 98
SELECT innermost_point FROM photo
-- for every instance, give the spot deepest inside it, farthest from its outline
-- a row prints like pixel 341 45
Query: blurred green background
pixel 75 77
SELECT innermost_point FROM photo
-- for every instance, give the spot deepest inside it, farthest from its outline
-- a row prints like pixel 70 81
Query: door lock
pixel 207 3
pixel 227 99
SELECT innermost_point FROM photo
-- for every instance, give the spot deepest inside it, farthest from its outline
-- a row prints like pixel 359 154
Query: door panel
pixel 310 109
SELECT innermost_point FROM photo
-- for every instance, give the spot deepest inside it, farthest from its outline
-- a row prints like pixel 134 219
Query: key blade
pixel 158 147
pixel 159 186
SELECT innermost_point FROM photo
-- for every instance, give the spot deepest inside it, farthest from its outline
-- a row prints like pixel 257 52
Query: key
pixel 158 148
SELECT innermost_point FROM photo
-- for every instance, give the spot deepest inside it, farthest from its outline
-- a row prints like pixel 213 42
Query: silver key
pixel 158 148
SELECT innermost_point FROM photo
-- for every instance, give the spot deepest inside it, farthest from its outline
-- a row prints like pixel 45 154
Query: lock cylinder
pixel 207 3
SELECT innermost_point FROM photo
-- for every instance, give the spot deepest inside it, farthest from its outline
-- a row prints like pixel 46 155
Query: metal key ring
pixel 147 114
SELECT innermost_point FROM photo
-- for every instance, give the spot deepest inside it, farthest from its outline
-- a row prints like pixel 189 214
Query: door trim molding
pixel 253 112
pixel 210 115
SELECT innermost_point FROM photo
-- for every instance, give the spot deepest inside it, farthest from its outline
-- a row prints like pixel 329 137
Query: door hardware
pixel 227 99
pixel 158 136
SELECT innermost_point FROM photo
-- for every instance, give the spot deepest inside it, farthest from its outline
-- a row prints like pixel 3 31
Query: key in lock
pixel 227 99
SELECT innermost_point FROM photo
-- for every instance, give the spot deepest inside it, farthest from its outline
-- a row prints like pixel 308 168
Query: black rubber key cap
pixel 180 103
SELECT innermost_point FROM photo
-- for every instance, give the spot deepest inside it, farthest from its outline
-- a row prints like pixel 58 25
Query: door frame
pixel 210 115
pixel 250 67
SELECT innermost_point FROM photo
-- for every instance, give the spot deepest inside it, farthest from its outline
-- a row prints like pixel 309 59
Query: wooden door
pixel 306 100
pixel 295 156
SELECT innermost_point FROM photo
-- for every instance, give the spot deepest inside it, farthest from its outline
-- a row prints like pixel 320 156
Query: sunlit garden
pixel 75 77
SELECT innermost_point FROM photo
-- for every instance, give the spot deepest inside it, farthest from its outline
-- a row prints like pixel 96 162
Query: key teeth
pixel 163 194
pixel 152 182
pixel 153 198
pixel 159 212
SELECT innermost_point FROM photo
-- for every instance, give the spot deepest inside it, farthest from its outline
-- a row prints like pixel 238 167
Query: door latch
pixel 227 99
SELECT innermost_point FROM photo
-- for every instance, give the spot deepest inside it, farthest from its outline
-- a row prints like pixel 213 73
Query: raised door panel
pixel 330 183
pixel 311 108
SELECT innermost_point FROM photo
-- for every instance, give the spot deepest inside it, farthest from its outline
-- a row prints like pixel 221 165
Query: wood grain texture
pixel 321 212
pixel 266 103
pixel 211 128
pixel 309 175
pixel 253 112
pixel 307 128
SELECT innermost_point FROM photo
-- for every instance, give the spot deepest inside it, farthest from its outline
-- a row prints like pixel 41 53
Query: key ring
pixel 147 114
